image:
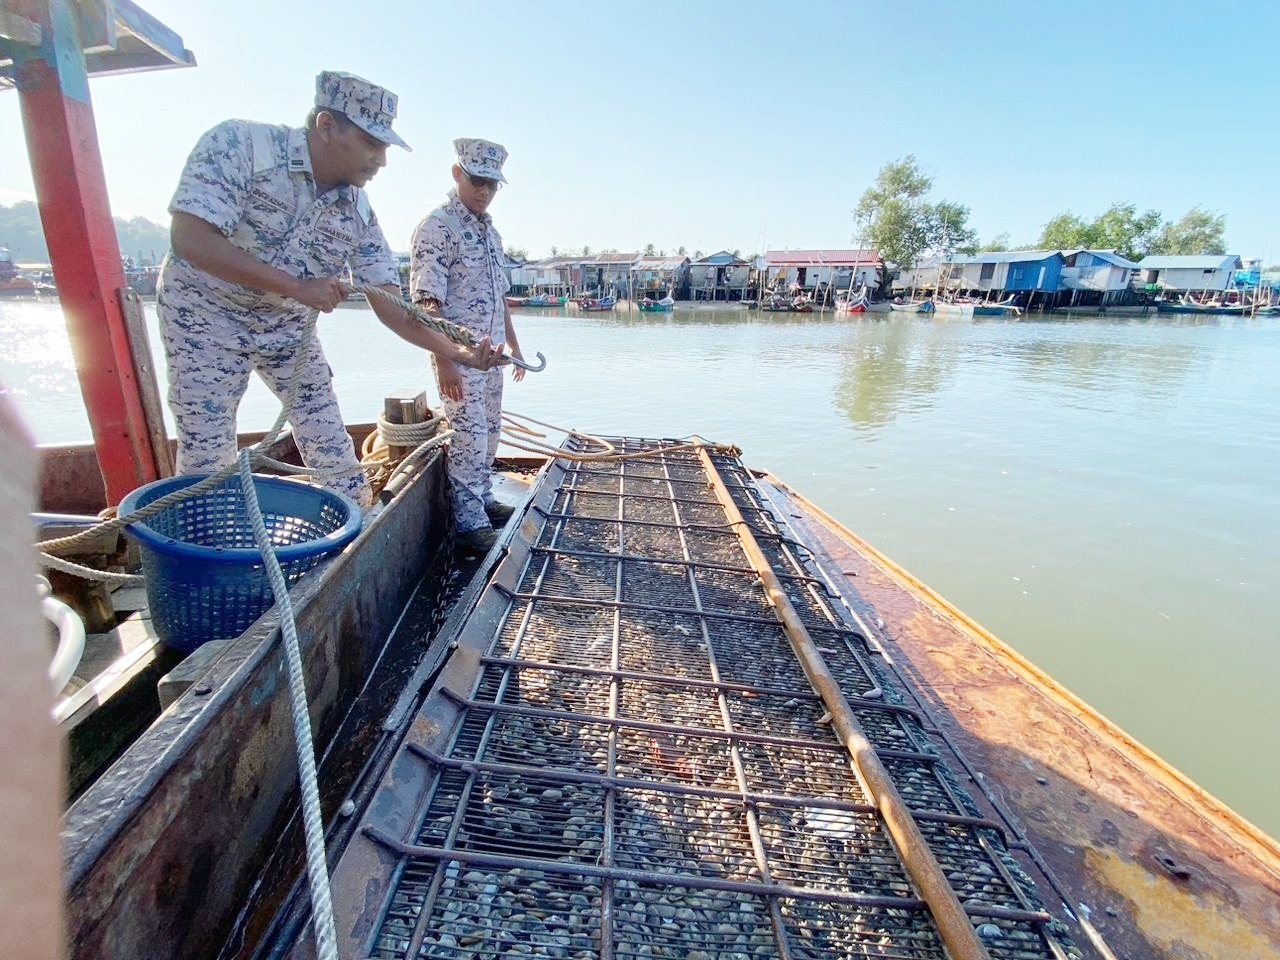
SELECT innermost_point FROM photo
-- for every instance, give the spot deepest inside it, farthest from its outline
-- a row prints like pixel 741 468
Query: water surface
pixel 1103 494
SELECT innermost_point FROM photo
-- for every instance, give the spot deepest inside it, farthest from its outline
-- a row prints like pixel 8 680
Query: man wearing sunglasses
pixel 456 271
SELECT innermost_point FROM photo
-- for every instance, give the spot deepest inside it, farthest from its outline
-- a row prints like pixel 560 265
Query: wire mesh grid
pixel 644 759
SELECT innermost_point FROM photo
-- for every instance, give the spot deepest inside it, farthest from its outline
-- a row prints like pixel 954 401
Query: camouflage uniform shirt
pixel 253 182
pixel 457 260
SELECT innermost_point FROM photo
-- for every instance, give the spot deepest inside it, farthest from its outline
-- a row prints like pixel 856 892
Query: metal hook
pixel 525 365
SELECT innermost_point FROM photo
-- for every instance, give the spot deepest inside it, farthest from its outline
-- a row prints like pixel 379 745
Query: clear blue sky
pixel 737 125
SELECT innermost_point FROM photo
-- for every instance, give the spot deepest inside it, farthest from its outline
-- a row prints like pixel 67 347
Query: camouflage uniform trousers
pixel 211 351
pixel 476 420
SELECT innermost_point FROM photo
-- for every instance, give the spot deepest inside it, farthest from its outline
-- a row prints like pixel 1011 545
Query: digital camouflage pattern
pixel 369 106
pixel 456 259
pixel 253 182
pixel 481 158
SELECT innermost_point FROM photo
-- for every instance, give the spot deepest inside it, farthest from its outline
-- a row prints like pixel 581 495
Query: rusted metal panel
pixel 162 852
pixel 1152 864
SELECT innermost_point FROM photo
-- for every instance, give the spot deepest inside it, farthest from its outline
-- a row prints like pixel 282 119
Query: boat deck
pixel 623 756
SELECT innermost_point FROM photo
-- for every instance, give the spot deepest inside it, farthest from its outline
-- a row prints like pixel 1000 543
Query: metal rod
pixel 650 877
pixel 681 562
pixel 953 924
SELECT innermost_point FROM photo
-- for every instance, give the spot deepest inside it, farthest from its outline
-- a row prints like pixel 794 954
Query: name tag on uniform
pixel 337 235
pixel 259 194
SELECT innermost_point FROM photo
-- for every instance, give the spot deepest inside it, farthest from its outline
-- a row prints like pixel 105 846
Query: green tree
pixel 648 249
pixel 21 230
pixel 1198 233
pixel 896 217
pixel 518 254
pixel 144 240
pixel 586 251
pixel 1066 231
pixel 681 251
pixel 1120 228
pixel 996 244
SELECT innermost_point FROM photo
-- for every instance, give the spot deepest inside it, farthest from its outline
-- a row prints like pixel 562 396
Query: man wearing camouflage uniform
pixel 456 272
pixel 267 220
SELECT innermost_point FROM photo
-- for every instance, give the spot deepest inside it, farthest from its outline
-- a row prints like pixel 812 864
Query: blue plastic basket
pixel 205 576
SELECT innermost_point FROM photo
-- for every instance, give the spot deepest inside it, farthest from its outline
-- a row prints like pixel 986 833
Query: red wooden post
pixel 62 140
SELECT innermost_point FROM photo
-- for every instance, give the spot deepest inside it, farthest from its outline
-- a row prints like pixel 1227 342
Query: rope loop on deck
pixel 521 437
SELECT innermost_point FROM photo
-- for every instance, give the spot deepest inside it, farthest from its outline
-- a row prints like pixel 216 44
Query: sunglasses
pixel 483 183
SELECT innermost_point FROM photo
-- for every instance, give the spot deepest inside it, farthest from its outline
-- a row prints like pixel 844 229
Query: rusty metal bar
pixel 683 562
pixel 652 877
pixel 953 923
pixel 566 600
pixel 695 683
pixel 648 725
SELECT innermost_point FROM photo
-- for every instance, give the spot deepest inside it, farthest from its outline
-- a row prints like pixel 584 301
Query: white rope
pixel 405 434
pixel 313 826
pixel 89 573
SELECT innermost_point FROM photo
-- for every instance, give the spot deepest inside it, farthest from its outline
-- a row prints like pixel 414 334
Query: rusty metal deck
pixel 623 756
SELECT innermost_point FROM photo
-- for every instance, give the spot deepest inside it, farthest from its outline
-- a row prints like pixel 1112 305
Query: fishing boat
pixel 677 710
pixel 1211 307
pixel 545 300
pixel 472 753
pixel 914 306
pixel 963 307
pixel 598 304
pixel 656 306
pixel 12 283
pixel 516 301
pixel 850 305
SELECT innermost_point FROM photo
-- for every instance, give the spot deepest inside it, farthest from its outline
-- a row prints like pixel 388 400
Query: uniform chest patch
pixel 468 235
pixel 337 235
pixel 263 197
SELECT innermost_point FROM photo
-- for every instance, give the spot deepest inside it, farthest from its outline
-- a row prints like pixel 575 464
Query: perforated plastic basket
pixel 205 576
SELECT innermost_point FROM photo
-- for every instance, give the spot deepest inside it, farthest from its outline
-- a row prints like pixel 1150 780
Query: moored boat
pixel 656 306
pixel 916 306
pixel 545 300
pixel 597 304
pixel 1189 305
pixel 511 778
pixel 12 283
pixel 850 305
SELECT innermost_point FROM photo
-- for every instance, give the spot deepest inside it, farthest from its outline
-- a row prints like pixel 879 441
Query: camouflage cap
pixel 367 105
pixel 481 158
